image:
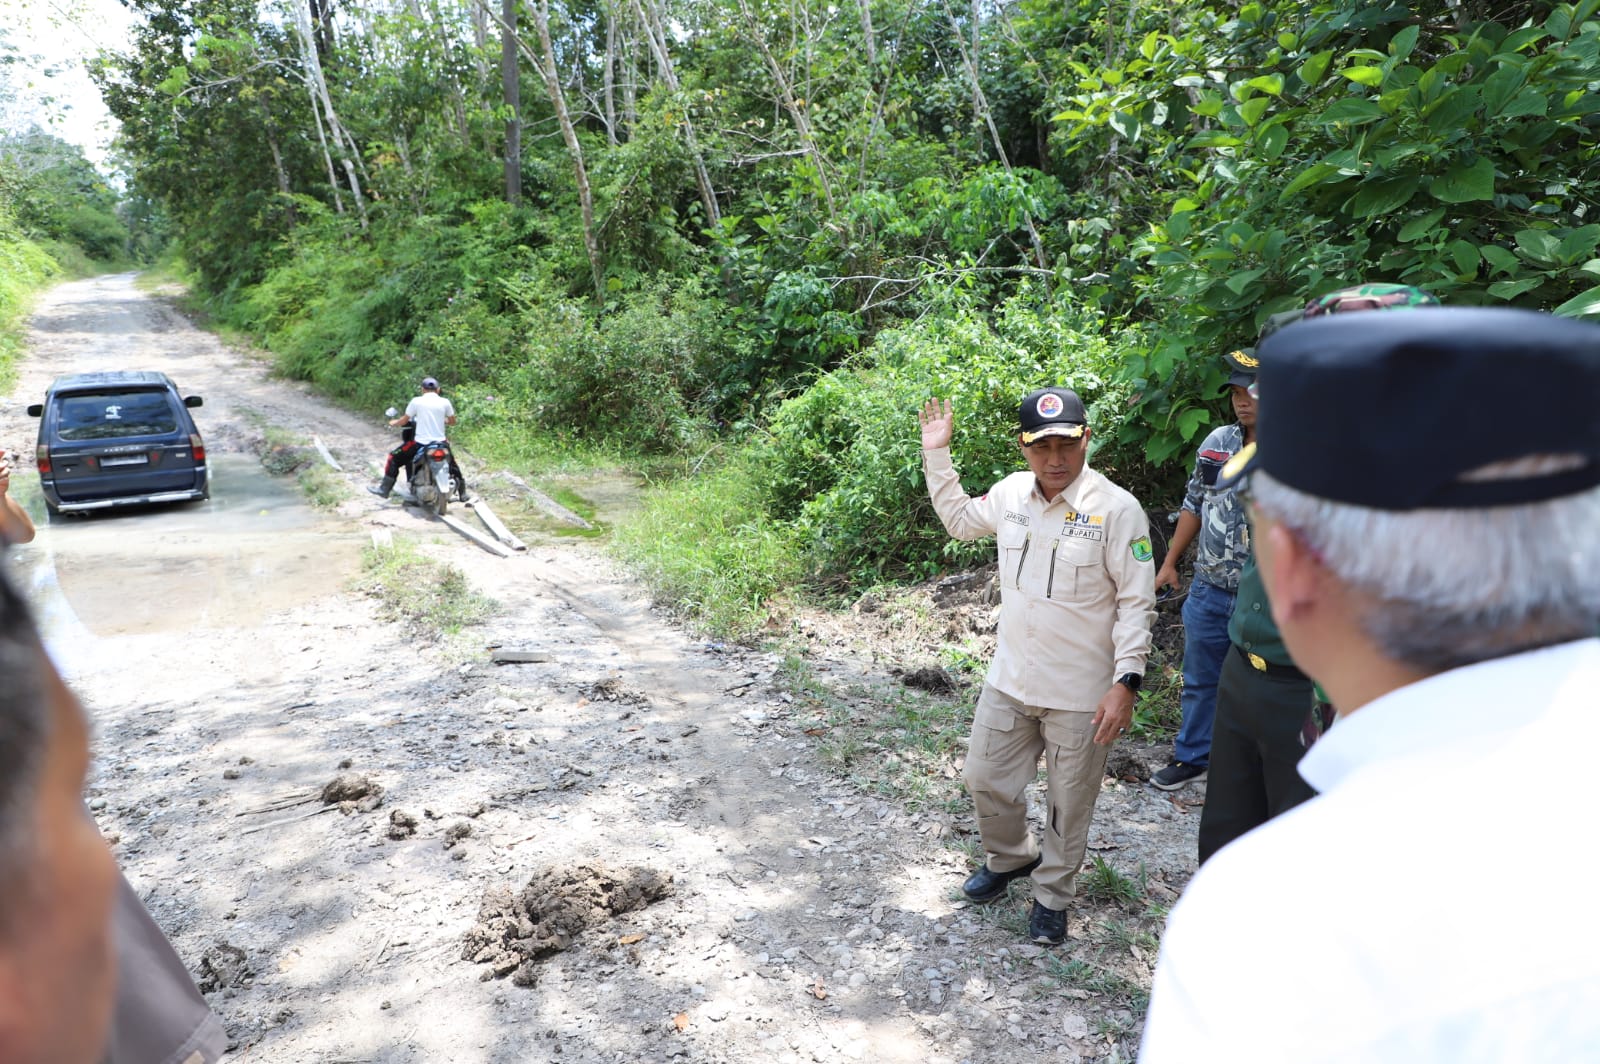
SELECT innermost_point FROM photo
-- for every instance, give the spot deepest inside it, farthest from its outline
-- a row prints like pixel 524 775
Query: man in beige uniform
pixel 1076 604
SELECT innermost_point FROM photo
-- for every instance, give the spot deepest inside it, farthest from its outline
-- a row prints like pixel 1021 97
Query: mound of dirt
pixel 223 966
pixel 930 678
pixel 611 689
pixel 353 793
pixel 518 929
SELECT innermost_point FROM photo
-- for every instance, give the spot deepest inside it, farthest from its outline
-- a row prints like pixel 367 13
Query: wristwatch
pixel 1131 681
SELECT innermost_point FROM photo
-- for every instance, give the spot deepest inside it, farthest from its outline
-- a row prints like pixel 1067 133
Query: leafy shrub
pixel 706 547
pixel 631 375
pixel 843 461
pixel 1296 150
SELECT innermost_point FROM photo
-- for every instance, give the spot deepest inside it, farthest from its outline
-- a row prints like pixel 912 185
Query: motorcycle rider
pixel 429 414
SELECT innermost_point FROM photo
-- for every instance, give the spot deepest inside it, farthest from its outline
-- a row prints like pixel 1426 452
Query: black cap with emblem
pixel 1051 412
pixel 1399 411
pixel 1242 366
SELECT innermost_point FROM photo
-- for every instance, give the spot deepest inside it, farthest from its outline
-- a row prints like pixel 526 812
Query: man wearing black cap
pixel 1076 603
pixel 1217 518
pixel 1267 712
pixel 1436 573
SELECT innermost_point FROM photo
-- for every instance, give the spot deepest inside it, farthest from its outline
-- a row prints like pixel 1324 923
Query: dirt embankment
pixel 648 837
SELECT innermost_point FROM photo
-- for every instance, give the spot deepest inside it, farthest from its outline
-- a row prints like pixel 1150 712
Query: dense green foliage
pixel 773 229
pixel 24 266
pixel 57 197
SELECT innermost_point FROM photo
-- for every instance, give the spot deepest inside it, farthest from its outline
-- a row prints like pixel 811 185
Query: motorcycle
pixel 428 473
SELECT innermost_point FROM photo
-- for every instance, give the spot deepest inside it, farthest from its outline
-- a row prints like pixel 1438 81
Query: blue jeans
pixel 1205 645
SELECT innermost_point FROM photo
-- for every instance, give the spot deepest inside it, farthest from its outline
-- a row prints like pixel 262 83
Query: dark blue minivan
pixel 118 439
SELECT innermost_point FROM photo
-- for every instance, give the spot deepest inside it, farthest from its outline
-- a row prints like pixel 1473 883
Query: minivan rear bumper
pixel 131 500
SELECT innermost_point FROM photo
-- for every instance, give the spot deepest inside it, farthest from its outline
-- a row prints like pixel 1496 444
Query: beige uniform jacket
pixel 1077 581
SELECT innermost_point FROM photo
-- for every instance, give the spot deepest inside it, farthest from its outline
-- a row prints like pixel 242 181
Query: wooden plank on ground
pixel 547 504
pixel 477 537
pixel 502 656
pixel 327 456
pixel 496 527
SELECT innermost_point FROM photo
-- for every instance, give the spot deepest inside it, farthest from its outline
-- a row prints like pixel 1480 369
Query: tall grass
pixel 707 548
pixel 24 268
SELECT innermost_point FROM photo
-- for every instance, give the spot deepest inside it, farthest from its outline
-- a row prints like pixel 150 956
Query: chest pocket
pixel 1015 545
pixel 1077 569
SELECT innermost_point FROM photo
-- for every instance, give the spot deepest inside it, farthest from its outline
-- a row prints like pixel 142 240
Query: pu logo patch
pixel 1141 549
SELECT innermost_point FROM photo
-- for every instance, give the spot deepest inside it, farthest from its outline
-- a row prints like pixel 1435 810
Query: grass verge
pixel 707 549
pixel 431 598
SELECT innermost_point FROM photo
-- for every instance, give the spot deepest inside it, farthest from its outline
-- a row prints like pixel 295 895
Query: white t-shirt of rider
pixel 428 412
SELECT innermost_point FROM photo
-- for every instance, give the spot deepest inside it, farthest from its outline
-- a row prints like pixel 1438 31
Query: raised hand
pixel 938 424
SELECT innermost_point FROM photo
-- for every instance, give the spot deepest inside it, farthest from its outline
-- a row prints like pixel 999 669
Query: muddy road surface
pixel 623 849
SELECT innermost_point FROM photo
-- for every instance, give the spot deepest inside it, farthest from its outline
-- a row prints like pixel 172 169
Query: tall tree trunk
pixel 327 156
pixel 786 98
pixel 867 35
pixel 980 105
pixel 322 26
pixel 511 90
pixel 319 88
pixel 650 19
pixel 546 63
pixel 284 188
pixel 608 81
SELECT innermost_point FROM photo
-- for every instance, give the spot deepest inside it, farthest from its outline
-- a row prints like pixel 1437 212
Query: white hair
pixel 1451 587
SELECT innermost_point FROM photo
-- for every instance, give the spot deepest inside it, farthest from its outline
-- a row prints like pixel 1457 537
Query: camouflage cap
pixel 1369 297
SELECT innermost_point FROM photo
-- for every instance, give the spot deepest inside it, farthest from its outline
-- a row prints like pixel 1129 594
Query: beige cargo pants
pixel 1003 759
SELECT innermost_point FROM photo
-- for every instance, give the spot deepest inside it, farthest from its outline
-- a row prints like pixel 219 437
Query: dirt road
pixel 231 667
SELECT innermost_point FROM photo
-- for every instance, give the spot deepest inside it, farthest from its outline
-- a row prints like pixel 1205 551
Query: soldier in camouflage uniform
pixel 1267 711
pixel 1216 519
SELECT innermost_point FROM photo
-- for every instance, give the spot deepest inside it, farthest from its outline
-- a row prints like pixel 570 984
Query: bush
pixel 843 463
pixel 708 549
pixel 630 376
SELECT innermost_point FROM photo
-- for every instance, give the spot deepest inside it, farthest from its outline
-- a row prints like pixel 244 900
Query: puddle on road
pixel 603 498
pixel 254 548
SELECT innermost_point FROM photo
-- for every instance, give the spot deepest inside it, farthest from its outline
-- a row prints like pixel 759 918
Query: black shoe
pixel 984 886
pixel 1048 927
pixel 1176 774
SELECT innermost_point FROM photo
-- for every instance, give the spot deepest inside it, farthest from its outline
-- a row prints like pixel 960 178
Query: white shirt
pixel 1077 581
pixel 428 412
pixel 1433 905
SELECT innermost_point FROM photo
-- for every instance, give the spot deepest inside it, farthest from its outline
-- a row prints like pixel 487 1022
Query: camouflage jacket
pixel 1223 542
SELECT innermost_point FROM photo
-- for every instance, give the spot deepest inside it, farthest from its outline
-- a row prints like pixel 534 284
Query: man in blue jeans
pixel 1218 520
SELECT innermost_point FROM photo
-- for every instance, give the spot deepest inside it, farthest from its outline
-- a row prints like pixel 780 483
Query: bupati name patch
pixel 1076 532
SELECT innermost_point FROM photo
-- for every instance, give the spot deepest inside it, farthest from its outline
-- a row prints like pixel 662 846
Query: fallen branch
pixel 277 805
pixel 289 820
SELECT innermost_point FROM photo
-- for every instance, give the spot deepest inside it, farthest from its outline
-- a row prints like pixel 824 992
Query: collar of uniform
pixel 1468 704
pixel 1076 482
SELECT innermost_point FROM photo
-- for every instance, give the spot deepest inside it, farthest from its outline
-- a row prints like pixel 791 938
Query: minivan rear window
pixel 111 415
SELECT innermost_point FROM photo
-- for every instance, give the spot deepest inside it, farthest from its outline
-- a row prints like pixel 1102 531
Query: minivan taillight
pixel 198 448
pixel 41 458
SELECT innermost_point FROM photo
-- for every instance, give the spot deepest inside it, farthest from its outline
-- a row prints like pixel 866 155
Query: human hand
pixel 1168 577
pixel 5 473
pixel 1113 715
pixel 938 424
